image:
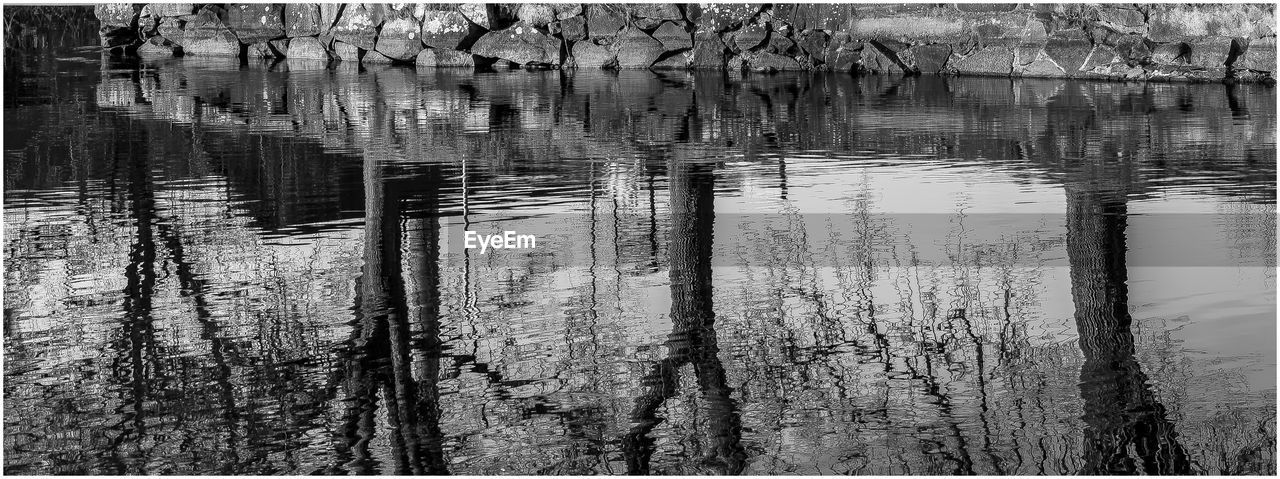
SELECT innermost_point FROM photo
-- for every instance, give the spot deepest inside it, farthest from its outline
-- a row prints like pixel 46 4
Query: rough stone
pixel 566 11
pixel 205 34
pixel 814 16
pixel 536 14
pixel 573 28
pixel 987 61
pixel 768 62
pixel 604 20
pixel 813 42
pixel 446 30
pixel 356 27
pixel 781 45
pixel 1133 49
pixel 158 47
pixel 673 37
pixel 1176 22
pixel 877 60
pixel 750 36
pixel 986 7
pixel 521 43
pixel 657 11
pixel 1069 49
pixel 346 51
pixel 917 28
pixel 399 39
pixel 719 17
pixel 1123 20
pixel 302 19
pixel 636 49
pixel 307 48
pixel 931 58
pixel 170 9
pixel 1042 66
pixel 590 55
pixel 1259 56
pixel 478 13
pixel 121 15
pixel 375 58
pixel 708 53
pixel 280 47
pixel 256 22
pixel 1174 53
pixel 1101 57
pixel 1211 52
pixel 679 61
pixel 431 57
pixel 260 50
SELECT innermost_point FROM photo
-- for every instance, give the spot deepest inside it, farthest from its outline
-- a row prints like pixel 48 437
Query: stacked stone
pixel 1117 41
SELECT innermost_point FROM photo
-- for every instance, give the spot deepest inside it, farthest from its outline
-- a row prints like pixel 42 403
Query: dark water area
pixel 240 268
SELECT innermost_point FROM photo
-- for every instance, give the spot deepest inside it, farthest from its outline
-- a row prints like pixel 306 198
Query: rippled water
pixel 223 268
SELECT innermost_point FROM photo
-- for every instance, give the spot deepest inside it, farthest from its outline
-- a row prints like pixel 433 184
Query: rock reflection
pixel 263 252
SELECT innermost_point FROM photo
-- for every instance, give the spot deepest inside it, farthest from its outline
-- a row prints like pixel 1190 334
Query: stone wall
pixel 1203 42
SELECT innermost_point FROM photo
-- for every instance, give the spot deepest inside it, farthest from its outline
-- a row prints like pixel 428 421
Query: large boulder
pixel 931 58
pixel 521 43
pixel 879 60
pixel 399 39
pixel 636 49
pixel 307 48
pixel 604 20
pixel 256 22
pixel 656 11
pixel 673 37
pixel 205 34
pixel 302 19
pixel 170 9
pixel 536 14
pixel 432 57
pixel 719 17
pixel 590 55
pixel 1069 49
pixel 1260 56
pixel 572 28
pixel 770 62
pixel 1122 19
pixel 1211 52
pixel 994 60
pixel 447 30
pixel 478 13
pixel 708 53
pixel 118 15
pixel 814 16
pixel 356 26
pixel 749 37
pixel 158 47
pixel 345 51
pixel 1171 22
pixel 567 10
pixel 1173 53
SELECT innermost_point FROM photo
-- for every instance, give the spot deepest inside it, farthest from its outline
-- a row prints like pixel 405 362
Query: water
pixel 223 268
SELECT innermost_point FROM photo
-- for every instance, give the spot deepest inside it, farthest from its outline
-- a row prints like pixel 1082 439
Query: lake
pixel 223 268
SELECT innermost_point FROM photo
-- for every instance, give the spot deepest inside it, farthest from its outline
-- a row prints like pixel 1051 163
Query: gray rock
pixel 280 47
pixel 769 62
pixel 636 49
pixel 814 16
pixel 345 51
pixel 375 58
pixel 260 50
pixel 1260 56
pixel 446 30
pixel 170 9
pixel 566 11
pixel 1100 58
pixel 356 27
pixel 255 22
pixel 750 36
pixel 1211 52
pixel 1123 20
pixel 673 37
pixel 302 19
pixel 986 7
pixel 813 42
pixel 656 11
pixel 708 53
pixel 931 58
pixel 878 60
pixel 521 44
pixel 604 20
pixel 307 48
pixel 1174 53
pixel 445 59
pixel 590 55
pixel 781 45
pixel 1133 49
pixel 205 34
pixel 1069 49
pixel 719 17
pixel 993 60
pixel 536 14
pixel 478 13
pixel 158 47
pixel 120 15
pixel 679 61
pixel 573 28
pixel 399 39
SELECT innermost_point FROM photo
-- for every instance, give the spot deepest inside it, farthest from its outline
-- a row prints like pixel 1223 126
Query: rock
pixel 375 58
pixel 781 45
pixel 604 20
pixel 329 13
pixel 447 30
pixel 346 51
pixel 1259 56
pixel 987 61
pixel 590 55
pixel 814 16
pixel 1042 66
pixel 1069 49
pixel 307 48
pixel 1099 59
pixel 445 59
pixel 356 27
pixel 521 44
pixel 170 28
pixel 708 53
pixel 1170 54
pixel 877 60
pixel 260 50
pixel 206 35
pixel 1211 52
pixel 302 19
pixel 750 36
pixel 679 61
pixel 119 15
pixel 770 62
pixel 565 11
pixel 719 17
pixel 255 22
pixel 842 53
pixel 656 11
pixel 1171 22
pixel 158 47
pixel 399 39
pixel 536 14
pixel 170 9
pixel 925 28
pixel 636 49
pixel 813 42
pixel 573 28
pixel 477 13
pixel 1123 20
pixel 986 7
pixel 1133 49
pixel 673 37
pixel 931 58
pixel 280 47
